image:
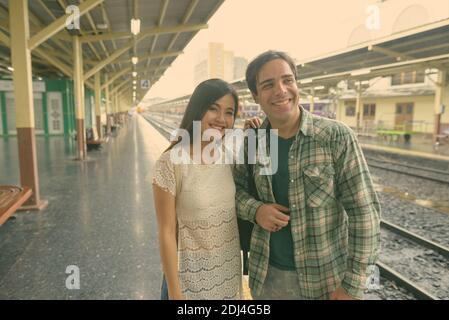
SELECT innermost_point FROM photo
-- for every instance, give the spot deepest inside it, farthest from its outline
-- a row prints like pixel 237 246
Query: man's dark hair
pixel 254 67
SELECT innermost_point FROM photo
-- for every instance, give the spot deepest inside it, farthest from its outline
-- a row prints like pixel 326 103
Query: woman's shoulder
pixel 175 156
pixel 164 157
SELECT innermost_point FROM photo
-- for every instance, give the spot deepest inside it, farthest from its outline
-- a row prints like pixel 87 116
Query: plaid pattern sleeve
pixel 246 205
pixel 355 192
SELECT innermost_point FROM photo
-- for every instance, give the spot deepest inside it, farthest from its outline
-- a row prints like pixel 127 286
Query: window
pixel 407 78
pixel 369 110
pixel 404 108
pixel 350 108
pixel 410 108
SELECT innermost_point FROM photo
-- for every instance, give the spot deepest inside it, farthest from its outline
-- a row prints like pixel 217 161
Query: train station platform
pixel 100 218
pixel 420 148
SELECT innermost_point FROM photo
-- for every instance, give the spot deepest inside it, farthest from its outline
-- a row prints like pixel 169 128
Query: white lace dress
pixel 208 241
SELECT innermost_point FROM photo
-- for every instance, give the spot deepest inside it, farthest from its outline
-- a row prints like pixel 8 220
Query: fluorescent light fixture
pixel 305 81
pixel 39 78
pixel 360 72
pixel 134 87
pixel 10 68
pixel 134 74
pixel 134 60
pixel 319 88
pixel 134 81
pixel 135 26
pixel 102 26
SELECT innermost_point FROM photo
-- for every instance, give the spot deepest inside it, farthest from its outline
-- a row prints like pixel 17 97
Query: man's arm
pixel 355 191
pixel 246 204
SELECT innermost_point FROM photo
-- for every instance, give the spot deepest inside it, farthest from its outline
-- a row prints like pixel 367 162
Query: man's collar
pixel 305 125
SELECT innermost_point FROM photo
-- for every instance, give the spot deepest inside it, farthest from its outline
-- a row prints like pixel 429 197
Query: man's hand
pixel 271 217
pixel 252 123
pixel 340 294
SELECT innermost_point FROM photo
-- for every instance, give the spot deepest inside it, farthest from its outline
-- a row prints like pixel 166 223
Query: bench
pixel 92 140
pixel 12 198
pixel 395 134
pixel 114 128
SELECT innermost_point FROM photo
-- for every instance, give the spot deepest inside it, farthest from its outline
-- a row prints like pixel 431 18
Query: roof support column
pixel 358 106
pixel 312 101
pixel 114 99
pixel 438 109
pixel 108 111
pixel 117 103
pixel 23 96
pixel 79 98
pixel 98 104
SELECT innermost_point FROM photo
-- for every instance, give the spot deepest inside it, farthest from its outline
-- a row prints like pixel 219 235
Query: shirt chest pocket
pixel 319 185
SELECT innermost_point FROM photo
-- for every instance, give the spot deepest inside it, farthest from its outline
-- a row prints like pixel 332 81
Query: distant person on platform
pixel 316 226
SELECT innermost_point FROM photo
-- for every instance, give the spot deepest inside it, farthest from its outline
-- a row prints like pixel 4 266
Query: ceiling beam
pixel 59 24
pixel 118 53
pixel 54 61
pixel 115 77
pixel 106 19
pixel 153 56
pixel 146 32
pixel 391 53
pixel 193 4
pixel 161 20
pixel 5 39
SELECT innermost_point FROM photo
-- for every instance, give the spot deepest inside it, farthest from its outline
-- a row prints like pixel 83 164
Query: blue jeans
pixel 164 289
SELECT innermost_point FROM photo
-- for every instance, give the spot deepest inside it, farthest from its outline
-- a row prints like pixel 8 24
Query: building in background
pixel 216 62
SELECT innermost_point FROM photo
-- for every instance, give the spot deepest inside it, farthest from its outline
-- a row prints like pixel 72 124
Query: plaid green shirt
pixel 334 210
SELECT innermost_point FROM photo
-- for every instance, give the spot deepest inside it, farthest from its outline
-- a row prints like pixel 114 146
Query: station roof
pixel 166 28
pixel 418 48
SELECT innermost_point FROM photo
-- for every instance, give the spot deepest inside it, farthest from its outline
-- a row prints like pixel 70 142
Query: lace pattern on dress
pixel 164 174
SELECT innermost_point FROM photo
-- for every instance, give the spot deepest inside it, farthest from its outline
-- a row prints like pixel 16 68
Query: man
pixel 316 226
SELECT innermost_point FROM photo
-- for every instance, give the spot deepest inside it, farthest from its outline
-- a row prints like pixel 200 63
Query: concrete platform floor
pixel 100 218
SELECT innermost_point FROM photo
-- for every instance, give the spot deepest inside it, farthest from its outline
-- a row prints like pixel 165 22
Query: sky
pixel 302 28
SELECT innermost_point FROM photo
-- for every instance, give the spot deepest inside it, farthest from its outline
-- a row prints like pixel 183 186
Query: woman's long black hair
pixel 204 95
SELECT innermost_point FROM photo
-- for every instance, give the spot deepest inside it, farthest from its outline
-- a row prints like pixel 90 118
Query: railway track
pixel 431 174
pixel 389 272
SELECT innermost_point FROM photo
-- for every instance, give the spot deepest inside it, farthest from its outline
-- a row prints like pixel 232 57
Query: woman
pixel 195 206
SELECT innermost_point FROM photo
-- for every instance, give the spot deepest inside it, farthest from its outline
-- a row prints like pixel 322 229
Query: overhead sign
pixel 145 84
pixel 8 85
